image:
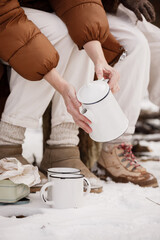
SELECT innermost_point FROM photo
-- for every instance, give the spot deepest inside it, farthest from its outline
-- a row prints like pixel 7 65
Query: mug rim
pixel 64 176
pixel 54 171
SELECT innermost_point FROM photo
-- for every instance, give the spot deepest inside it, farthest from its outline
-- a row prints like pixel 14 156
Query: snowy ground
pixel 122 211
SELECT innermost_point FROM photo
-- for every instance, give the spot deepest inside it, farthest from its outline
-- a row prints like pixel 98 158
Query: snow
pixel 121 211
pixel 33 145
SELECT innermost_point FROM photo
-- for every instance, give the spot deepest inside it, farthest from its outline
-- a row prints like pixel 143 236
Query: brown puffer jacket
pixel 30 53
pixel 94 21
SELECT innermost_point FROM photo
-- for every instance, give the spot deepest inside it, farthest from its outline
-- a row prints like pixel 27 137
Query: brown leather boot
pixel 12 151
pixel 16 151
pixel 58 156
pixel 120 164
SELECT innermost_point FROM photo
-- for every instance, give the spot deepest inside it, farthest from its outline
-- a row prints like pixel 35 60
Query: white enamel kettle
pixel 101 108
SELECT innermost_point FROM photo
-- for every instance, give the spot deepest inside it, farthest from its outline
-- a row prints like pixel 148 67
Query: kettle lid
pixel 93 92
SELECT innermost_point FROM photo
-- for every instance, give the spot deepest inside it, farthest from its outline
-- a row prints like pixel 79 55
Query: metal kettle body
pixel 108 120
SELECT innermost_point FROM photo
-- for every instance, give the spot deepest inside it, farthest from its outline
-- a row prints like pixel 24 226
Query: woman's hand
pixel 73 105
pixel 69 95
pixel 103 70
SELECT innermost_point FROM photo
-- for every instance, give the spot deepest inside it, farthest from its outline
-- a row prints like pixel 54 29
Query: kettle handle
pixel 88 114
pixel 103 79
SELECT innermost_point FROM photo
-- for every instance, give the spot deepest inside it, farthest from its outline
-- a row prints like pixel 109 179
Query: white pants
pixel 28 100
pixel 141 66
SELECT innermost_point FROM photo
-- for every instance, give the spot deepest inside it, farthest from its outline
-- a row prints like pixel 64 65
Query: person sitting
pixel 130 23
pixel 57 50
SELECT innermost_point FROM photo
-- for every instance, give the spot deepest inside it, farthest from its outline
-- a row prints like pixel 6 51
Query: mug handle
pixel 42 193
pixel 88 186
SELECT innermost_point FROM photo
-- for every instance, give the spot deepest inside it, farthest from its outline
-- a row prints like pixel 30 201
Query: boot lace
pixel 128 155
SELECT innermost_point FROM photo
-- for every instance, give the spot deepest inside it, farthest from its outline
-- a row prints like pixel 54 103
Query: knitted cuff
pixel 65 134
pixel 11 134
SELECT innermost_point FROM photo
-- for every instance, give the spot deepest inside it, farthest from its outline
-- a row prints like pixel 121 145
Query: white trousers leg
pixel 134 69
pixel 28 100
pixel 152 34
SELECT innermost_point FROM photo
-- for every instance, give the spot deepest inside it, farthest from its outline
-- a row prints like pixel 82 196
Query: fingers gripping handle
pixel 43 191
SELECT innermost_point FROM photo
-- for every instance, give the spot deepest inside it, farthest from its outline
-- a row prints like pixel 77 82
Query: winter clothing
pixel 11 139
pixel 22 44
pixel 56 31
pixel 15 151
pixel 139 7
pixel 30 53
pixel 121 165
pixel 136 44
pixel 10 150
pixel 143 41
pixel 74 66
pixel 140 67
pixel 11 134
pixel 59 156
pixel 65 134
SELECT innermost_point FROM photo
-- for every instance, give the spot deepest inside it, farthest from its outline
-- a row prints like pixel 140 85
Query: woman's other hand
pixel 73 105
pixel 69 95
pixel 103 70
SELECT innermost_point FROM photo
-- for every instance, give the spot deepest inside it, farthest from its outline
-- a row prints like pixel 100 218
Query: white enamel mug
pixel 66 190
pixel 60 170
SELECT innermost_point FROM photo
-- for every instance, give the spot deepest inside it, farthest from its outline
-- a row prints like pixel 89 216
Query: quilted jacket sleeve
pixel 86 20
pixel 22 44
pixel 112 49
